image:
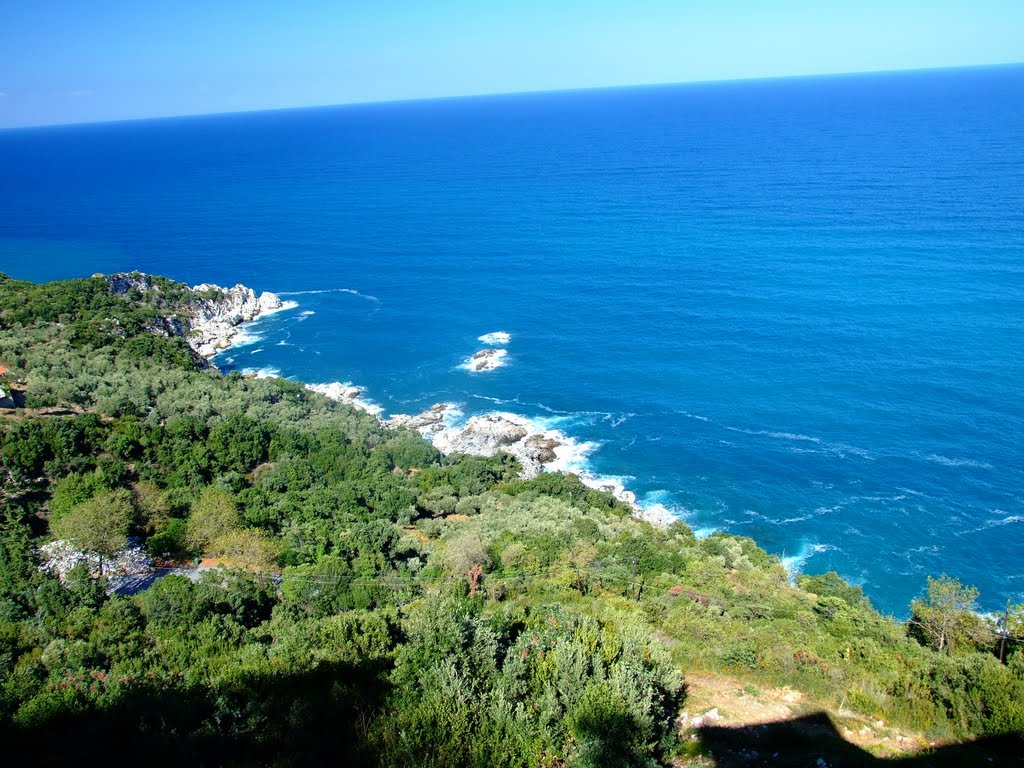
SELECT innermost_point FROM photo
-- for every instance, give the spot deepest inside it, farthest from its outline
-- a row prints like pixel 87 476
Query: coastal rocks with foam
pixel 486 434
pixel 344 392
pixel 220 311
pixel 537 447
pixel 431 420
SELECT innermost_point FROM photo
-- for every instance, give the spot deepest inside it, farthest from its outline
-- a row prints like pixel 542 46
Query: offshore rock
pixel 486 360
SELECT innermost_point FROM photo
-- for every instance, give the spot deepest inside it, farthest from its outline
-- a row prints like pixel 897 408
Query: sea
pixel 787 309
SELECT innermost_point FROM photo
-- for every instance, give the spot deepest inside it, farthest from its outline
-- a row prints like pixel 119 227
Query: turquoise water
pixel 787 309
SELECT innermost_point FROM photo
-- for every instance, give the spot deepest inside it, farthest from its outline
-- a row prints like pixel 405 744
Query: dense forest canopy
pixel 380 603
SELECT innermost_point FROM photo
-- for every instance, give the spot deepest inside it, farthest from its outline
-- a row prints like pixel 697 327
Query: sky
pixel 68 61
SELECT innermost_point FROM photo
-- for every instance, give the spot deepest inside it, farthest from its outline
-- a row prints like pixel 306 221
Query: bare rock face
pixel 431 420
pixel 542 448
pixel 219 311
pixel 489 433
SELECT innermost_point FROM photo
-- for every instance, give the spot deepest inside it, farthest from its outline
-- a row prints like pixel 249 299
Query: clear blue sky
pixel 75 61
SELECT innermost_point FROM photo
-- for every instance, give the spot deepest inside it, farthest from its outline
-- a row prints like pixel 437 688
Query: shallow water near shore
pixel 786 309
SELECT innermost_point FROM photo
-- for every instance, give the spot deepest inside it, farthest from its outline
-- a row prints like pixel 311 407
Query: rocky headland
pixel 209 317
pixel 220 311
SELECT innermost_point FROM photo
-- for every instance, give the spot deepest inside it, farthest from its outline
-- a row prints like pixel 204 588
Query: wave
pixel 955 462
pixel 794 564
pixel 689 415
pixel 262 373
pixel 350 291
pixel 245 337
pixel 776 435
pixel 554 410
pixel 1005 520
pixel 497 400
pixel 495 338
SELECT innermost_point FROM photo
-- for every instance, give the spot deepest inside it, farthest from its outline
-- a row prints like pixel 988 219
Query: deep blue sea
pixel 789 309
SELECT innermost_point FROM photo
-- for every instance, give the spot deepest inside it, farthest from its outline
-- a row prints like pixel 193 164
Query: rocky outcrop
pixel 343 392
pixel 431 420
pixel 207 317
pixel 483 435
pixel 219 311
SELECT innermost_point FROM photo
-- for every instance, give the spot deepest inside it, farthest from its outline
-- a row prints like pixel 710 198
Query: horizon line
pixel 498 94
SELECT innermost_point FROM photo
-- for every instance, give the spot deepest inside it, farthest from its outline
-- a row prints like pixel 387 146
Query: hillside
pixel 384 604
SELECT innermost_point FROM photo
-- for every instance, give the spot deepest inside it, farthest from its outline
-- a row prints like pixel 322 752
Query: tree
pixel 247 547
pixel 98 526
pixel 152 505
pixel 213 515
pixel 946 616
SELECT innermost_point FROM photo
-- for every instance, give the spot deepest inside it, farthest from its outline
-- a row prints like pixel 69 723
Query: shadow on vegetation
pixel 812 741
pixel 314 719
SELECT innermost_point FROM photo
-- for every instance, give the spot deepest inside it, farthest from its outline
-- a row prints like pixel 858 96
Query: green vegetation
pixel 383 602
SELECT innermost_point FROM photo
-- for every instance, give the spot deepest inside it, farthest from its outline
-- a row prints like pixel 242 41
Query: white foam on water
pixel 351 291
pixel 794 564
pixel 1005 519
pixel 494 338
pixel 285 306
pixel 956 462
pixel 497 400
pixel 660 508
pixel 554 410
pixel 689 415
pixel 245 337
pixel 340 391
pixel 262 373
pixel 776 435
pixel 307 313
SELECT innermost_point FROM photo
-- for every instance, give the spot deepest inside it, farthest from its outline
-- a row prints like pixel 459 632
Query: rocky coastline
pixel 538 449
pixel 212 322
